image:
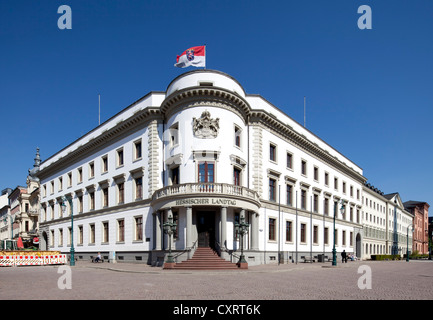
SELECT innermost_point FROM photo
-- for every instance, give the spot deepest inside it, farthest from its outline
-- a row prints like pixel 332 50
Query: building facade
pixel 5 218
pixel 387 224
pixel 208 155
pixel 419 210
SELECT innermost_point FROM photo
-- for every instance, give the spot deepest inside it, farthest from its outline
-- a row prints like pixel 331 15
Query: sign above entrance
pixel 206 201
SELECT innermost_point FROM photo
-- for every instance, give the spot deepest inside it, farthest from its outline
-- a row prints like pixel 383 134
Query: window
pixel 91 200
pixel 326 236
pixel 174 134
pixel 80 234
pixel 80 175
pixel 303 199
pixel 175 179
pixel 289 160
pixel 138 188
pixel 272 226
pixel 121 230
pixel 120 193
pixel 52 238
pixel 237 137
pixel 236 176
pixel 344 237
pixel 120 157
pixel 105 197
pixel 80 203
pixel 273 152
pixel 316 203
pixel 69 235
pixel 289 231
pixel 326 178
pixel 69 179
pixel 336 183
pixel 304 167
pixel 52 187
pixel 105 232
pixel 138 228
pixel 91 170
pixel 303 232
pixel 326 206
pixel 60 183
pixel 316 173
pixel 289 195
pixel 206 172
pixel 315 234
pixel 344 187
pixel 272 189
pixel 105 164
pixel 92 233
pixel 60 237
pixel 137 150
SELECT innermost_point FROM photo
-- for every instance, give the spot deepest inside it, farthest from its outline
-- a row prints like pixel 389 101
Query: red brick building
pixel 420 223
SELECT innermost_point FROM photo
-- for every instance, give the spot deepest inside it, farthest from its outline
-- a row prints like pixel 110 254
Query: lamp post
pixel 69 199
pixel 242 229
pixel 334 252
pixel 407 242
pixel 170 229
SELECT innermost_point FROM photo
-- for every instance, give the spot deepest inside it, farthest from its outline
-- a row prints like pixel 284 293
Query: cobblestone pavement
pixel 390 280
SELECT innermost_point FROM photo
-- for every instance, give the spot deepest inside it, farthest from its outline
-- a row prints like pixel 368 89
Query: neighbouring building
pixel 210 156
pixel 419 210
pixel 5 217
pixel 24 208
pixel 386 222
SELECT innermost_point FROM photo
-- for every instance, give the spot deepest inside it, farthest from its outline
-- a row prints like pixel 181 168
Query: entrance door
pixel 206 228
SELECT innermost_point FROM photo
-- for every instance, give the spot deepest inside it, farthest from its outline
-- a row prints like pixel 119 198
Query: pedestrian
pixel 98 258
pixel 343 256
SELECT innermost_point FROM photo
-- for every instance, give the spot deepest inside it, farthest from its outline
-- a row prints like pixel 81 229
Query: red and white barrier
pixel 32 260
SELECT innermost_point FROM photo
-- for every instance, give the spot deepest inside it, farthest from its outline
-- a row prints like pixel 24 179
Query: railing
pixel 192 248
pixel 205 188
pixel 234 258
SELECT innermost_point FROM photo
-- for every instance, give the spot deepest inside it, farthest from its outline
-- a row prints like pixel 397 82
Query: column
pixel 223 239
pixel 223 227
pixel 188 244
pixel 157 226
pixel 169 213
pixel 254 231
pixel 242 214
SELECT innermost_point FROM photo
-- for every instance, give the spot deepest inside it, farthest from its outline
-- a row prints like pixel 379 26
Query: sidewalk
pixel 273 267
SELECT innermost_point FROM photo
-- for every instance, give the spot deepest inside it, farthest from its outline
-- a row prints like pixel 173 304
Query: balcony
pixel 33 213
pixel 197 193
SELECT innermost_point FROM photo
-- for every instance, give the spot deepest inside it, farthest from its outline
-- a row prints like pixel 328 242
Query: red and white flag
pixel 195 56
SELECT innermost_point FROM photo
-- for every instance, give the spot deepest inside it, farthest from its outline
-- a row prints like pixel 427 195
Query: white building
pixel 206 153
pixel 387 225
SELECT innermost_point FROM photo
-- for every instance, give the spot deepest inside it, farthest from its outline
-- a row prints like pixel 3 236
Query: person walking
pixel 344 256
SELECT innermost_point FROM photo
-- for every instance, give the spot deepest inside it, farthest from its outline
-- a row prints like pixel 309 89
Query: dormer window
pixel 206 84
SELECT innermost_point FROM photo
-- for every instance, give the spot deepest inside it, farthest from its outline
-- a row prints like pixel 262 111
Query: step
pixel 206 259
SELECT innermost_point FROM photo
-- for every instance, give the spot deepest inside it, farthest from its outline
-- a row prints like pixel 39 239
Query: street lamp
pixel 170 229
pixel 242 229
pixel 69 199
pixel 407 239
pixel 334 252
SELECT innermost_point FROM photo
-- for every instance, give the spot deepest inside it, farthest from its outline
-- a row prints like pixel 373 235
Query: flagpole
pixel 204 57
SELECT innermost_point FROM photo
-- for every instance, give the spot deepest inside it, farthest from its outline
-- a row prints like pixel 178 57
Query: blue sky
pixel 369 93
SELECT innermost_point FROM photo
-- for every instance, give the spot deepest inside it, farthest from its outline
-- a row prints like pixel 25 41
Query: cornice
pixel 121 129
pixel 287 132
pixel 204 95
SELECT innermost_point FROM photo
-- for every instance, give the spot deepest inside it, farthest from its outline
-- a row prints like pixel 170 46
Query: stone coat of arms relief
pixel 205 127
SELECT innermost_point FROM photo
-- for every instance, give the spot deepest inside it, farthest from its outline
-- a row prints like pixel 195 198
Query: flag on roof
pixel 194 56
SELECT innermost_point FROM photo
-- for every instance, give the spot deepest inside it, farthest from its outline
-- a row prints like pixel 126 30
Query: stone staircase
pixel 205 258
